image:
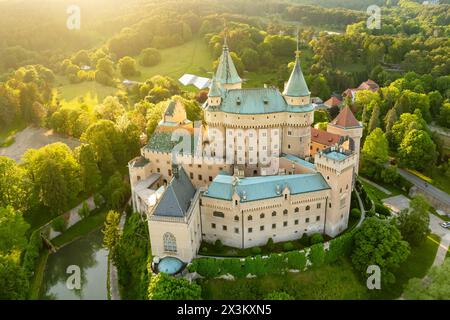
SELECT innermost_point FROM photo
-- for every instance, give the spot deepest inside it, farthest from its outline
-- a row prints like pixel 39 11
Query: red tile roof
pixel 333 101
pixel 369 85
pixel 345 119
pixel 324 137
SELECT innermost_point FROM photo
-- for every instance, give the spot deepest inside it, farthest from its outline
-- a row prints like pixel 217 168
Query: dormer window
pixel 238 101
pixel 266 101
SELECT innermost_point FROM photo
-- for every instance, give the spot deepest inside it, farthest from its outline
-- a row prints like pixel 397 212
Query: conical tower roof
pixel 296 86
pixel 214 89
pixel 226 71
pixel 346 119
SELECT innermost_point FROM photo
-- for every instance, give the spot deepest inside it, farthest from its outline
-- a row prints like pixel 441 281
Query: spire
pixel 226 71
pixel 345 119
pixel 214 89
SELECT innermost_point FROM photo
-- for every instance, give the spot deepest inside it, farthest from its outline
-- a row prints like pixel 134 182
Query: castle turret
pixel 346 125
pixel 337 167
pixel 296 90
pixel 214 94
pixel 227 75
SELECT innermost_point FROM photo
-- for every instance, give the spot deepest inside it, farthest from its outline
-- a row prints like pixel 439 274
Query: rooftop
pixel 226 71
pixel 176 200
pixel 324 137
pixel 346 119
pixel 264 187
pixel 296 85
pixel 298 160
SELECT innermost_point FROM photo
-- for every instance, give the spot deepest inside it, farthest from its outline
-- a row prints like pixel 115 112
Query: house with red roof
pixel 366 85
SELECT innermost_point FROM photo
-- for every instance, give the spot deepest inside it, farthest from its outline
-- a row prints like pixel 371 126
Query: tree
pixel 89 172
pixel 165 287
pixel 413 223
pixel 13 279
pixel 406 123
pixel 375 116
pixel 127 66
pixel 379 242
pixel 105 71
pixel 12 230
pixel 14 184
pixel 55 175
pixel 376 147
pixel 435 286
pixel 150 57
pixel 250 58
pixel 444 115
pixel 436 100
pixel 389 121
pixel 417 150
pixel 111 232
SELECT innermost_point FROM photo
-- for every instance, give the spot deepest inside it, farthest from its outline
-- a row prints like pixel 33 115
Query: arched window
pixel 250 218
pixel 307 208
pixel 236 218
pixel 285 212
pixel 274 214
pixel 296 210
pixel 170 243
pixel 262 216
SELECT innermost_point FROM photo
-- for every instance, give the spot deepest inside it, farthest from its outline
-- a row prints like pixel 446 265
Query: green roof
pixel 296 86
pixel 170 108
pixel 258 101
pixel 264 187
pixel 298 160
pixel 162 142
pixel 214 90
pixel 226 71
pixel 334 155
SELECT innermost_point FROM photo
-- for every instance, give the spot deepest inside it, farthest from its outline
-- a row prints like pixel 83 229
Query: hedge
pixel 275 263
pixel 32 253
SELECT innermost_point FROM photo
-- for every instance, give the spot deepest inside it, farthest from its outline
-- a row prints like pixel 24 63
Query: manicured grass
pixel 89 92
pixel 7 134
pixel 375 194
pixel 336 281
pixel 440 180
pixel 83 227
pixel 36 281
pixel 419 261
pixel 191 57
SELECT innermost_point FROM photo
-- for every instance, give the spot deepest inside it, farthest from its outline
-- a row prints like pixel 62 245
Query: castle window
pixel 261 216
pixel 199 166
pixel 213 225
pixel 250 230
pixel 296 210
pixel 169 172
pixel 274 214
pixel 285 224
pixel 340 190
pixel 138 178
pixel 328 177
pixel 318 218
pixel 307 208
pixel 346 187
pixel 261 228
pixel 296 222
pixel 285 197
pixel 191 175
pixel 218 214
pixel 318 205
pixel 250 218
pixel 199 177
pixel 235 202
pixel 210 179
pixel 289 146
pixel 158 170
pixel 307 220
pixel 224 228
pixel 170 243
pixel 254 171
pixel 329 205
pixel 236 218
pixel 285 212
pixel 236 230
pixel 289 133
pixel 274 225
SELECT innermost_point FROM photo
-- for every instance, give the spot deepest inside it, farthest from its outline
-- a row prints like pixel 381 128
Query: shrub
pixel 317 255
pixel 165 287
pixel 269 244
pixel 84 210
pixel 383 210
pixel 32 253
pixel 296 260
pixel 59 224
pixel 256 250
pixel 304 240
pixel 355 214
pixel 218 245
pixel 204 249
pixel 98 200
pixel 288 246
pixel 370 213
pixel 316 238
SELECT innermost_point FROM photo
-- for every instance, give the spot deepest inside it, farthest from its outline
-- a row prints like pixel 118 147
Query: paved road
pixel 425 187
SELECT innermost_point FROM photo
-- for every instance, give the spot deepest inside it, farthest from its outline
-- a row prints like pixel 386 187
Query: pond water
pixel 86 253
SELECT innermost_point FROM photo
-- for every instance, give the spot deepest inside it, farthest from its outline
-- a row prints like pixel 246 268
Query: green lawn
pixel 89 92
pixel 191 57
pixel 91 223
pixel 374 193
pixel 416 266
pixel 336 281
pixel 7 134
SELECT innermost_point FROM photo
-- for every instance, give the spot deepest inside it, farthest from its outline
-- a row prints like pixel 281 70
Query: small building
pixel 333 102
pixel 366 85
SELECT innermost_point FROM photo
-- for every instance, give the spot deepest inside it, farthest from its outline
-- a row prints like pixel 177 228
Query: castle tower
pixel 337 167
pixel 214 94
pixel 226 74
pixel 297 133
pixel 345 124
